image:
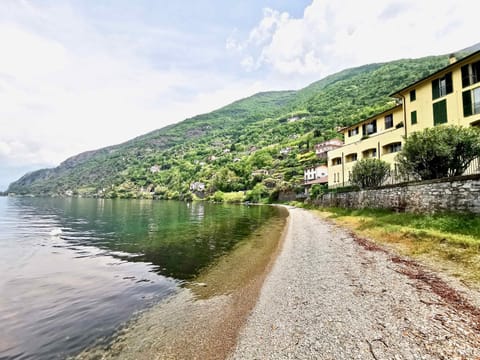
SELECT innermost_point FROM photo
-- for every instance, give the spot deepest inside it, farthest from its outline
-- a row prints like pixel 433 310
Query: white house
pixel 154 169
pixel 315 175
pixel 260 172
pixel 197 186
pixel 323 148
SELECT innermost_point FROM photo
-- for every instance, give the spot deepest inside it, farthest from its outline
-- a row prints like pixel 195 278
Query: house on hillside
pixel 450 96
pixel 154 169
pixel 313 175
pixel 197 186
pixel 260 172
pixel 323 148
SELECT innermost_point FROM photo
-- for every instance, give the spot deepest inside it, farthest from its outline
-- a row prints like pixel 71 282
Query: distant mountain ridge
pixel 224 147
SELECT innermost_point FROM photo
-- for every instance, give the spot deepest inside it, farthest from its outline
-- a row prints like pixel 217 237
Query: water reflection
pixel 74 270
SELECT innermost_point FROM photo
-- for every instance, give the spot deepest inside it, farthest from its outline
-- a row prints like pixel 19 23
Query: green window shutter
pixel 465 76
pixel 413 117
pixel 449 83
pixel 440 112
pixel 467 103
pixel 435 89
pixel 413 95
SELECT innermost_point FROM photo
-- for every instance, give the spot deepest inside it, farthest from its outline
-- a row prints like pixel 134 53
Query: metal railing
pixel 396 178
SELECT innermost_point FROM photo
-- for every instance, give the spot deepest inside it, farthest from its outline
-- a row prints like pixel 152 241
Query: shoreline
pixel 203 320
pixel 331 296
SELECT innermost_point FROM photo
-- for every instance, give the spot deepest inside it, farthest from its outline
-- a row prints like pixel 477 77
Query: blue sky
pixel 78 75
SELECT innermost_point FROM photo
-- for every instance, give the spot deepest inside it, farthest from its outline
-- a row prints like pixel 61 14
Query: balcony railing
pixel 396 178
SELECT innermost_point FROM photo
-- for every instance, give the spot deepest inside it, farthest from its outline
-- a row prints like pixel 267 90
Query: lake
pixel 74 271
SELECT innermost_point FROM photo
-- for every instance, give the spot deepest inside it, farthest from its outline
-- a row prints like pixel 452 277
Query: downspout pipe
pixel 404 115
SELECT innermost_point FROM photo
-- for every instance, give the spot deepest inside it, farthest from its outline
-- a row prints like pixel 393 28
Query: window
pixel 370 153
pixel 353 132
pixel 389 121
pixel 413 95
pixel 471 102
pixel 440 112
pixel 392 148
pixel 442 86
pixel 351 157
pixel 337 161
pixel 470 74
pixel 369 128
pixel 413 117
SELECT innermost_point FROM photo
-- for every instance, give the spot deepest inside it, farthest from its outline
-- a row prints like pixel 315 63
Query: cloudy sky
pixel 81 74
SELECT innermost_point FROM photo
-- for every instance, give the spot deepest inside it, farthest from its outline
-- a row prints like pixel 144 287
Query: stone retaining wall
pixel 460 194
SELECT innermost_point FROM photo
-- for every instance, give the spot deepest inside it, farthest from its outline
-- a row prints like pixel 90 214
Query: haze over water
pixel 75 270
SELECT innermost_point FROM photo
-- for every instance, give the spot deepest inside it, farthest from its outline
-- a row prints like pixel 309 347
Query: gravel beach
pixel 330 295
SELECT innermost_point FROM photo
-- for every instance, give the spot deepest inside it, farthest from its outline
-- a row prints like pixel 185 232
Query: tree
pixel 439 152
pixel 257 193
pixel 368 173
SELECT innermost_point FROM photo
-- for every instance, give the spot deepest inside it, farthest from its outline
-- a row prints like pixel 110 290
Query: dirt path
pixel 331 296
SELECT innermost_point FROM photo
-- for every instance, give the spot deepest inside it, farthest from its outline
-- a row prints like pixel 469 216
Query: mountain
pixel 224 148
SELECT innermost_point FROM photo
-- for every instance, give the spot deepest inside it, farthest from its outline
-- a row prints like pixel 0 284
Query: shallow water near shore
pixel 75 271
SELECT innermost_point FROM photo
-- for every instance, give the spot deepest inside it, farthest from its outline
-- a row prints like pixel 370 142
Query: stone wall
pixel 285 196
pixel 460 194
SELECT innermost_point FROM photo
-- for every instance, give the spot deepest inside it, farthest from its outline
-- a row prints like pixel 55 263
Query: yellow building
pixel 448 96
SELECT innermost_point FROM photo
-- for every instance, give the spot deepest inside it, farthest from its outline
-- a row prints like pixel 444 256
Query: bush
pixel 258 192
pixel 233 197
pixel 317 190
pixel 218 196
pixel 368 173
pixel 439 152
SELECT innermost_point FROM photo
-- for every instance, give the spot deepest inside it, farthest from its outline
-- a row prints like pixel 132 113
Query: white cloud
pixel 333 35
pixel 67 92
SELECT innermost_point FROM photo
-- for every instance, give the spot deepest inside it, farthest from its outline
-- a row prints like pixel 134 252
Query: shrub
pixel 218 196
pixel 317 190
pixel 258 192
pixel 233 197
pixel 438 152
pixel 368 173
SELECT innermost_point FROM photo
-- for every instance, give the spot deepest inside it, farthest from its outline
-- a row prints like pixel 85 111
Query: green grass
pixel 446 241
pixel 451 223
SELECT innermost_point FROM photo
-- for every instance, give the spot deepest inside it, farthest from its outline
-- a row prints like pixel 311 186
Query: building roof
pixel 341 130
pixel 322 180
pixel 315 166
pixel 432 75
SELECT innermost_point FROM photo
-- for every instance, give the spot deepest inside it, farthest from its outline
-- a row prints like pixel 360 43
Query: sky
pixel 77 75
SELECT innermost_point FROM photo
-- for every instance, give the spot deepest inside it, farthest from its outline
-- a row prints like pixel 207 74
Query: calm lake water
pixel 74 270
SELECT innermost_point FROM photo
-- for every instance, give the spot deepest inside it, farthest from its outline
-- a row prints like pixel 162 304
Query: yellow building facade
pixel 449 96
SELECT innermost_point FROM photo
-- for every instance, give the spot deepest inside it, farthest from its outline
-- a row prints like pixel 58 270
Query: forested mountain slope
pixel 224 148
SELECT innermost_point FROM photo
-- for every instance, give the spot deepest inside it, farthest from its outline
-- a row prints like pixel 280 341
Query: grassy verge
pixel 447 242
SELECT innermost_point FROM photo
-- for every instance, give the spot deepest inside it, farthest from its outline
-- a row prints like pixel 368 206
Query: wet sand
pixel 203 319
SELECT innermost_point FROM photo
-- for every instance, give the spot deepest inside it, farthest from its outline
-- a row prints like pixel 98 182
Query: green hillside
pixel 224 148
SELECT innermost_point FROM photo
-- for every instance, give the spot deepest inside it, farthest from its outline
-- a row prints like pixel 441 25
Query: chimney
pixel 452 59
